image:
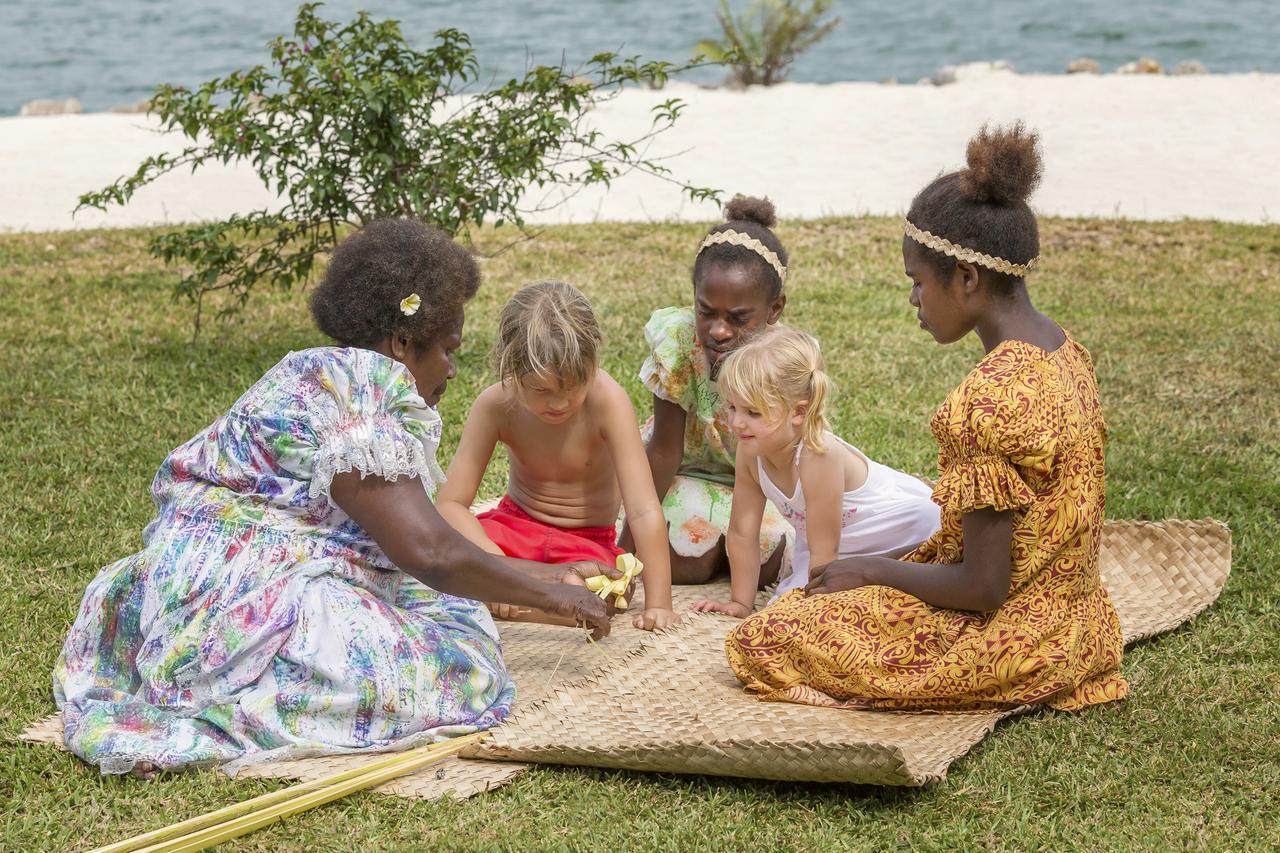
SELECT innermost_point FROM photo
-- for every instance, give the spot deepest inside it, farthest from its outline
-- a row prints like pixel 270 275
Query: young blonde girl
pixel 574 449
pixel 840 501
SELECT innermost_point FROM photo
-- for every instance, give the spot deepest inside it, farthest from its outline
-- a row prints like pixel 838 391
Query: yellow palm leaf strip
pixel 604 586
pixel 291 800
pixel 409 762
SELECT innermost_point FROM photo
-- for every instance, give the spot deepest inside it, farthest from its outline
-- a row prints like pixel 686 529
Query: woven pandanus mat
pixel 676 707
pixel 668 702
pixel 1161 573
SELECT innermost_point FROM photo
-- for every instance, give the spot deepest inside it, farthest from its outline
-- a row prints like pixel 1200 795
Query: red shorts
pixel 521 535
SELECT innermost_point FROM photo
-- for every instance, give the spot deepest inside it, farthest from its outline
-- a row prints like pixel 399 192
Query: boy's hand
pixel 730 608
pixel 656 618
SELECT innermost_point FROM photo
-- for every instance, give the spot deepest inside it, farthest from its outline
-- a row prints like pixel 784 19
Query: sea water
pixel 113 52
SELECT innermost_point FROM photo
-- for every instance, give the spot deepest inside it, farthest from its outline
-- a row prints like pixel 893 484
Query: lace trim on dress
pixel 374 451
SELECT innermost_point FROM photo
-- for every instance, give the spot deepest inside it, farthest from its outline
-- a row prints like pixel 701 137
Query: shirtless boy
pixel 574 448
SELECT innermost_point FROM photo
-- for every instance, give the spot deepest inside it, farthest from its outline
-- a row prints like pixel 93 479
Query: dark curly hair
pixel 984 207
pixel 754 217
pixel 357 303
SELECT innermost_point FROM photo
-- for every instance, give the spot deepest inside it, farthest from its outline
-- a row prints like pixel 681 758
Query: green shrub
pixel 349 123
pixel 760 44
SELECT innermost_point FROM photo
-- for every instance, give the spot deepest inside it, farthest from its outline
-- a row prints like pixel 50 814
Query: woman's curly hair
pixel 357 303
pixel 984 207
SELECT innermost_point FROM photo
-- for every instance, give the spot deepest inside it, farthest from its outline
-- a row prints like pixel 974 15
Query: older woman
pixel 297 593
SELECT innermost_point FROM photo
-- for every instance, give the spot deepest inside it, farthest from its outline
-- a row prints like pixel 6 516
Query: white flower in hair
pixel 410 304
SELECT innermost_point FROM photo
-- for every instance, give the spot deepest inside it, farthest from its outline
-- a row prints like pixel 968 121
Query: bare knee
pixel 700 569
pixel 773 565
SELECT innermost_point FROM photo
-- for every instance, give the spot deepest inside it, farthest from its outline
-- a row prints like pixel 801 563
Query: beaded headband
pixel 946 247
pixel 737 238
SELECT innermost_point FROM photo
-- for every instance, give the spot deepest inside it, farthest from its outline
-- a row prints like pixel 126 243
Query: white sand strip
pixel 1142 147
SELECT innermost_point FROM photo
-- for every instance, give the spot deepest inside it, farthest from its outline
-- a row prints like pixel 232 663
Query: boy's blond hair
pixel 776 370
pixel 547 329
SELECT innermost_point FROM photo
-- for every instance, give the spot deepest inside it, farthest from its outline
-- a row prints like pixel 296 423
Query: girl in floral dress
pixel 738 289
pixel 1003 606
pixel 297 593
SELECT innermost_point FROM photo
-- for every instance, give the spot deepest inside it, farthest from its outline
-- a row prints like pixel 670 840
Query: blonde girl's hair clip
pixel 410 304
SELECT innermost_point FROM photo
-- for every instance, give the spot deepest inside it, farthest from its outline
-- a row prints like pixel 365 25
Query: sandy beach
pixel 1140 146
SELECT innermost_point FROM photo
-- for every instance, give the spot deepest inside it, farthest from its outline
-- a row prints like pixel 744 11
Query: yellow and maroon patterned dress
pixel 1023 432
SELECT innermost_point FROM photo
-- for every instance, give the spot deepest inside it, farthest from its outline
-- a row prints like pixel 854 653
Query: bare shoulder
pixel 744 462
pixel 836 469
pixel 490 405
pixel 608 400
pixel 491 396
pixel 822 466
pixel 607 389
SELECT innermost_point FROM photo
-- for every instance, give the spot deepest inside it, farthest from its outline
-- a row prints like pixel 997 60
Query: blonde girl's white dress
pixel 891 511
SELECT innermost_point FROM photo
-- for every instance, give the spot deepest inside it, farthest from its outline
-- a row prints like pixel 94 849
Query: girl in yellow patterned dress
pixel 1003 606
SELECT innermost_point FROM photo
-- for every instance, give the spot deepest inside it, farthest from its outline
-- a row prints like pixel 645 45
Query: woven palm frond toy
pixel 605 586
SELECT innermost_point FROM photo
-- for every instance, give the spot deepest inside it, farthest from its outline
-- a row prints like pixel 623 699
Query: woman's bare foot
pixel 144 770
pixel 514 613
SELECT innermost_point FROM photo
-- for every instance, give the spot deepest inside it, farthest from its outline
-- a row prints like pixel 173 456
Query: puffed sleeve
pixel 358 410
pixel 667 370
pixel 1001 436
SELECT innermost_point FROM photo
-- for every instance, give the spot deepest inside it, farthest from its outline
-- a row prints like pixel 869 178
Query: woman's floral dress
pixel 699 502
pixel 259 621
pixel 1024 432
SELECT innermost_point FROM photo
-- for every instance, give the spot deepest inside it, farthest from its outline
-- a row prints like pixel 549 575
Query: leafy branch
pixel 349 123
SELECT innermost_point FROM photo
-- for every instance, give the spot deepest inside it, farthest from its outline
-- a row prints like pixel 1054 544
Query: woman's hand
pixel 729 608
pixel 577 572
pixel 580 605
pixel 839 575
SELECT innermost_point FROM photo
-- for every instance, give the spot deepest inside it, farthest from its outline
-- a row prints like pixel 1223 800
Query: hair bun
pixel 1004 165
pixel 749 209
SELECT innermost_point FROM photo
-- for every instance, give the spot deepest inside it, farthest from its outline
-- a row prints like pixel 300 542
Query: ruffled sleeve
pixel 668 369
pixel 999 433
pixel 358 410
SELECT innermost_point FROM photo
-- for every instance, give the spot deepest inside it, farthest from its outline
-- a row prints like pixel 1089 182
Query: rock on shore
pixel 42 107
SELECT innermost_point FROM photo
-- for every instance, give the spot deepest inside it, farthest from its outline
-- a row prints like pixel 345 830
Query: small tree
pixel 349 123
pixel 760 44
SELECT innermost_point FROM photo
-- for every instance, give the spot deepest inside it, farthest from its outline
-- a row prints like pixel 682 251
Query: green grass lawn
pixel 99 380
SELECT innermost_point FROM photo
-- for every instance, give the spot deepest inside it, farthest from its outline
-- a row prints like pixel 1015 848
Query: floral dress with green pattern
pixel 259 621
pixel 698 504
